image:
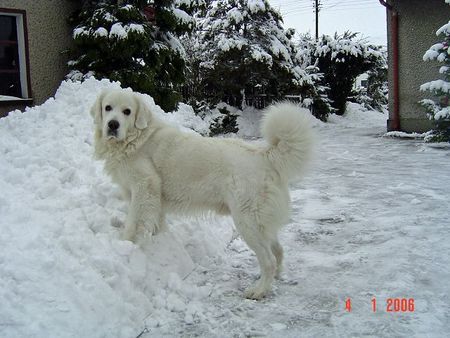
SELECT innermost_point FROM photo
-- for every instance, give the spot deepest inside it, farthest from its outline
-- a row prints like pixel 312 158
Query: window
pixel 14 79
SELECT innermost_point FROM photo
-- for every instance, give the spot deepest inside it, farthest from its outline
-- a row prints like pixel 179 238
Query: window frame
pixel 24 56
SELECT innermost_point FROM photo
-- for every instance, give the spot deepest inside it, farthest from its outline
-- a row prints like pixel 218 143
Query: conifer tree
pixel 341 59
pixel 439 109
pixel 374 95
pixel 241 50
pixel 134 42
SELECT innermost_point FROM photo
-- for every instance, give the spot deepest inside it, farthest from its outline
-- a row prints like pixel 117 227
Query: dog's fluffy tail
pixel 287 128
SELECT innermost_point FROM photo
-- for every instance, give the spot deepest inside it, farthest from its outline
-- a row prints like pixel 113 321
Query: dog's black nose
pixel 113 125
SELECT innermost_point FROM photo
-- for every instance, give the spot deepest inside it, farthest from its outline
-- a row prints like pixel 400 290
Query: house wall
pixel 418 22
pixel 49 36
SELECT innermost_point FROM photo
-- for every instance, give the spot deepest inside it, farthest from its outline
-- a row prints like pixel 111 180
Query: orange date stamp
pixel 391 305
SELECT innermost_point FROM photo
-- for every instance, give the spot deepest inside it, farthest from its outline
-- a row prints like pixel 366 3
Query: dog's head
pixel 116 113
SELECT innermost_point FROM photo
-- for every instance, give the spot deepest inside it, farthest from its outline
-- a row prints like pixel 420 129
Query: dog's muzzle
pixel 113 127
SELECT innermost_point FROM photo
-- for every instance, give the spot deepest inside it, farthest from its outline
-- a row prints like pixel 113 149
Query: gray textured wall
pixel 49 35
pixel 418 22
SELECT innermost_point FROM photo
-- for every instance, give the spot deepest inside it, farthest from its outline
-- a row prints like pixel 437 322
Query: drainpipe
pixel 395 123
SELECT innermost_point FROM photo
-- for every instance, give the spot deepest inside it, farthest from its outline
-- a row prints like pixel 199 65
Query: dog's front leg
pixel 145 212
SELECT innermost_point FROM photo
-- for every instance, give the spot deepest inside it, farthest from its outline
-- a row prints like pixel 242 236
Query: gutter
pixel 394 125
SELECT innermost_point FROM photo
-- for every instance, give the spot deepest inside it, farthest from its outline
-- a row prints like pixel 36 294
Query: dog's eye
pixel 127 112
pixel 108 108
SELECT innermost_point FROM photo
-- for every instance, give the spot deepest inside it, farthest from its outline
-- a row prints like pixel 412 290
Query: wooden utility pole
pixel 316 9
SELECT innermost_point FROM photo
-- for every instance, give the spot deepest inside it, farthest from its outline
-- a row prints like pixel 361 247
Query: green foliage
pixel 439 109
pixel 241 51
pixel 313 93
pixel 241 63
pixel 118 42
pixel 320 107
pixel 341 59
pixel 375 94
pixel 439 113
pixel 377 86
pixel 224 124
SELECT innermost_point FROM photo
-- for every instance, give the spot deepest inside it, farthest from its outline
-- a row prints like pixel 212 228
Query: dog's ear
pixel 96 110
pixel 143 113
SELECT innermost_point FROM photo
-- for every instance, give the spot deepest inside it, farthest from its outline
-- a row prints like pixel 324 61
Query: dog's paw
pixel 129 235
pixel 153 229
pixel 161 228
pixel 279 274
pixel 256 292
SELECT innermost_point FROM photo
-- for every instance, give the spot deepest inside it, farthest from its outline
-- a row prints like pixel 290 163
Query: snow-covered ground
pixel 370 220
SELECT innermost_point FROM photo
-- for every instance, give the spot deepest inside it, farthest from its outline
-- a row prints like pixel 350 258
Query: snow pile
pixel 63 270
pixel 185 116
pixel 248 121
pixel 357 116
pixel 401 134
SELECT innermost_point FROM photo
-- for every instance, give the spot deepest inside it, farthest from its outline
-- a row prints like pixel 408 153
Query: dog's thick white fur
pixel 162 169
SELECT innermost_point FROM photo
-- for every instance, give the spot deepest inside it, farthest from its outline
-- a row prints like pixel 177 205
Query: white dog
pixel 162 169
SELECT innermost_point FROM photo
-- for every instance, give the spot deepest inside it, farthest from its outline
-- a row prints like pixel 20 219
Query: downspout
pixel 395 123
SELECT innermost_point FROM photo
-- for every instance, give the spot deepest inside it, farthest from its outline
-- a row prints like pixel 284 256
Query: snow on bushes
pixel 439 109
pixel 240 54
pixel 341 59
pixel 116 40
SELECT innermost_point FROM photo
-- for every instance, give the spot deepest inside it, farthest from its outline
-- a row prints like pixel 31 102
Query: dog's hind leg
pixel 260 243
pixel 277 250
